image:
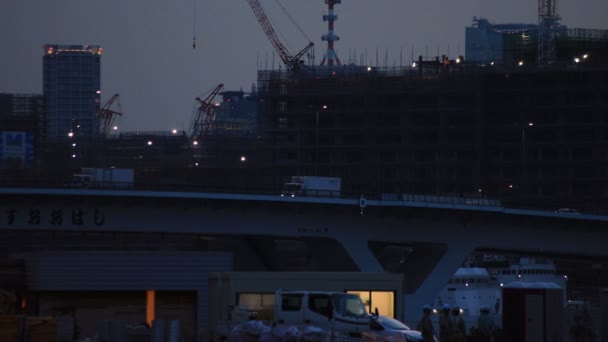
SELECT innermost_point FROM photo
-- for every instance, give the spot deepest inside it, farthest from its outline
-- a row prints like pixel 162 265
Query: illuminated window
pixel 260 304
pixel 384 301
pixel 150 306
pixel 256 301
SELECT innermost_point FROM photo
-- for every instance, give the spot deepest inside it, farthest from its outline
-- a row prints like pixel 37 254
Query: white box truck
pixel 91 177
pixel 312 186
pixel 336 313
pixel 306 299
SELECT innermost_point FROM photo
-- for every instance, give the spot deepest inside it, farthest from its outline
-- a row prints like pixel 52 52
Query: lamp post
pixel 524 157
pixel 523 133
pixel 316 159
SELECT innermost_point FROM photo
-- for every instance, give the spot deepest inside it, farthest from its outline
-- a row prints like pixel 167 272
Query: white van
pixel 337 312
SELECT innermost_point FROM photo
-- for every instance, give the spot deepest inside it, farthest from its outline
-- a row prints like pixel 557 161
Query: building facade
pixel 511 44
pixel 71 87
pixel 508 44
pixel 534 135
pixel 22 133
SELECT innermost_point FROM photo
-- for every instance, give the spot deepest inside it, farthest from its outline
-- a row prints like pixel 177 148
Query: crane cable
pixel 293 21
pixel 194 27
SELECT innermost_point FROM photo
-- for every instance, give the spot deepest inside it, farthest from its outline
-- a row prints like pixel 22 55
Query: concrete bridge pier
pixel 357 247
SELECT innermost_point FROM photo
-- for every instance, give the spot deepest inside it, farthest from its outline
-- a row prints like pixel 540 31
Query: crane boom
pixel 108 115
pixel 205 114
pixel 290 61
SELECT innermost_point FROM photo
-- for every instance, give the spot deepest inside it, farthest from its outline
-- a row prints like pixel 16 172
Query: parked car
pixel 387 326
pixel 567 211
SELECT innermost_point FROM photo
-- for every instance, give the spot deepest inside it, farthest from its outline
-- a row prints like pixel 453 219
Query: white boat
pixel 471 288
pixel 528 270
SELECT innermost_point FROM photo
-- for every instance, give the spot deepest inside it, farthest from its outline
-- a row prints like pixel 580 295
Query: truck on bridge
pixel 105 178
pixel 312 186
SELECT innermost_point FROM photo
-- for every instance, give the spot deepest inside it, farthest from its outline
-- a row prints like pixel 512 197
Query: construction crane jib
pixel 107 115
pixel 205 115
pixel 291 62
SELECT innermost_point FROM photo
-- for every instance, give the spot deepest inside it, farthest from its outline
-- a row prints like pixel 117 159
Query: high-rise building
pixel 22 117
pixel 71 86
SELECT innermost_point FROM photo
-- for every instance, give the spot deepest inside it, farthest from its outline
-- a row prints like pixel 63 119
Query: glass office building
pixel 71 87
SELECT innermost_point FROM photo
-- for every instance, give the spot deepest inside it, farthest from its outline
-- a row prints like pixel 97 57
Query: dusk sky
pixel 149 60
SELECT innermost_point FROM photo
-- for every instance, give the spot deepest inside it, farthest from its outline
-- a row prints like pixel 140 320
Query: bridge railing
pixel 472 199
pixel 446 199
pixel 252 189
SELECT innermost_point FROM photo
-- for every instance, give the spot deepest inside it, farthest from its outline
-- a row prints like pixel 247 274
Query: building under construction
pixel 534 135
pixel 510 44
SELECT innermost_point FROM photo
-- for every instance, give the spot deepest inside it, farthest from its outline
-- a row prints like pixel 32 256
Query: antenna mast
pixel 331 58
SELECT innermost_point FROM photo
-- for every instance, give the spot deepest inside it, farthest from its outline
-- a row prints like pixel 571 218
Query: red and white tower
pixel 330 58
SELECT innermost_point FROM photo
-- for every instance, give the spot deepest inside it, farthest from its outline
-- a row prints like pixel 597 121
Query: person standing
pixel 426 325
pixel 459 329
pixel 485 325
pixel 445 324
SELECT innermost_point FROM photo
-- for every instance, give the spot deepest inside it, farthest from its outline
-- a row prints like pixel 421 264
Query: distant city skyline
pixel 147 46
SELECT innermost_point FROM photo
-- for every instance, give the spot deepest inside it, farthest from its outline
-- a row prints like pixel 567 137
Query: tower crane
pixel 107 115
pixel 291 62
pixel 205 115
pixel 547 25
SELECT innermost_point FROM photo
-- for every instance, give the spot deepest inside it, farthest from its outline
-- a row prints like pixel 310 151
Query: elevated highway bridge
pixel 424 241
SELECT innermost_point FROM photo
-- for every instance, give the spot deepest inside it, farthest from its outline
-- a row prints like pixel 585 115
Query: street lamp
pixel 316 161
pixel 523 133
pixel 524 158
